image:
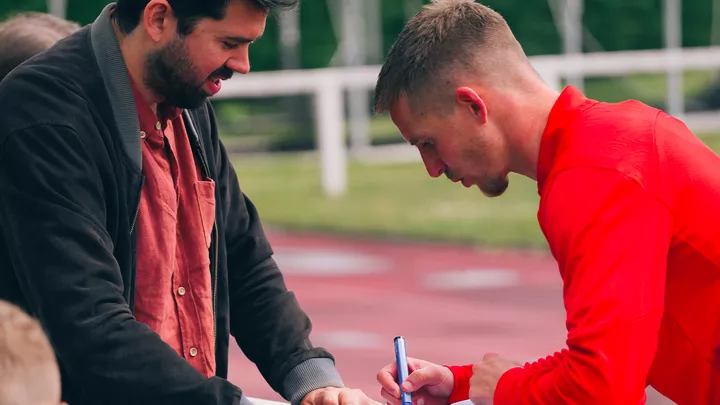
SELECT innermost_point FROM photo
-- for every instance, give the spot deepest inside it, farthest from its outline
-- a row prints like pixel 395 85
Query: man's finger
pixel 327 397
pixel 389 398
pixel 422 377
pixel 348 397
pixel 490 355
pixel 418 400
pixel 357 396
pixel 387 379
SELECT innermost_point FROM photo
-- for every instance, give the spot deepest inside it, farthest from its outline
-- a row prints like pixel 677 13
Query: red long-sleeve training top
pixel 630 206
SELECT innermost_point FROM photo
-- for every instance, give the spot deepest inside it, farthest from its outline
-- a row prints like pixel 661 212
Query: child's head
pixel 27 34
pixel 29 374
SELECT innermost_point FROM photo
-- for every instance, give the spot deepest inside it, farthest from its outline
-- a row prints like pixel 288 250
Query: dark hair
pixel 188 12
pixel 27 34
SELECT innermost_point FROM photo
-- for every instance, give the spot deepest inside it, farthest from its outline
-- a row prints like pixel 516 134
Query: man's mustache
pixel 224 73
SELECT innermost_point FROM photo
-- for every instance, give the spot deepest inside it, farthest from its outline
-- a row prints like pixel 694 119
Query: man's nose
pixel 435 167
pixel 239 63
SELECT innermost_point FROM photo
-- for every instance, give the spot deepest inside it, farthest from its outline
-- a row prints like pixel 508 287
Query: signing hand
pixel 337 396
pixel 486 375
pixel 429 383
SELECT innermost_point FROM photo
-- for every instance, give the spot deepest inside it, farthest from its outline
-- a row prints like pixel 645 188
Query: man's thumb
pixel 420 378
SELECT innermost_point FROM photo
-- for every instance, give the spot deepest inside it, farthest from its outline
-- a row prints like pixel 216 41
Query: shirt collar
pixel 147 119
pixel 569 105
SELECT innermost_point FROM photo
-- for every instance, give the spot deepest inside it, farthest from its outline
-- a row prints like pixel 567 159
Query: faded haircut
pixel 446 39
pixel 29 374
pixel 27 34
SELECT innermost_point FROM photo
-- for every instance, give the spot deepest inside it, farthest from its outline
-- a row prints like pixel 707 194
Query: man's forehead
pixel 401 116
pixel 411 124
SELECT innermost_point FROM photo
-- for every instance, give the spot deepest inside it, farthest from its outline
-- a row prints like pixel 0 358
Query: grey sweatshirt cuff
pixel 245 401
pixel 308 376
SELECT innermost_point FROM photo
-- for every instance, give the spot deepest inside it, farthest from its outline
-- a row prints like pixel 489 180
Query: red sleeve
pixel 461 382
pixel 610 237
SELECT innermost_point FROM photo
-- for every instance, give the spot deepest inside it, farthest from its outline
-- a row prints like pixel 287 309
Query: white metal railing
pixel 328 86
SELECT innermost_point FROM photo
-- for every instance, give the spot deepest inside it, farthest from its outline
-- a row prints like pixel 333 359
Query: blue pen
pixel 402 367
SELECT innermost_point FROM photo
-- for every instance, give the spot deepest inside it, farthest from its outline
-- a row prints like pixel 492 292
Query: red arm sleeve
pixel 461 382
pixel 610 237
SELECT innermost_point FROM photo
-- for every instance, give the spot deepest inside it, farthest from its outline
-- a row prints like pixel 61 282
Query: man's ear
pixel 469 98
pixel 157 19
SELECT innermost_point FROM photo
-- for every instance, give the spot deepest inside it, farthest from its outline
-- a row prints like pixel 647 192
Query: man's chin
pixel 495 189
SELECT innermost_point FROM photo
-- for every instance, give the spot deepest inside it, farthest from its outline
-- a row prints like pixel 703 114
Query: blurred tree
pixel 318 43
pixel 615 24
pixel 9 7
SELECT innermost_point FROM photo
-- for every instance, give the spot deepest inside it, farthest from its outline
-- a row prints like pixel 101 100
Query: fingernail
pixel 407 386
pixel 421 401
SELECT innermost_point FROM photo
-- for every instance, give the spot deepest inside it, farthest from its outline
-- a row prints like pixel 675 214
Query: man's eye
pixel 228 45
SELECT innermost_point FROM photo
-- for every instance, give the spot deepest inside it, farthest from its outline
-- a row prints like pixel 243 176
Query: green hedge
pixel 615 24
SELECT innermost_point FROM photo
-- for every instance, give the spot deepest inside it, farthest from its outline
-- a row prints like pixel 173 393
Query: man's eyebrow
pixel 240 39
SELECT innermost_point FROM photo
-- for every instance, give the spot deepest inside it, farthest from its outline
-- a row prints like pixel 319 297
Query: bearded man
pixel 124 229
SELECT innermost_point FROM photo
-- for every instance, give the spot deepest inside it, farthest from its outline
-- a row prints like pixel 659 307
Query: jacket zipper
pixel 215 246
pixel 132 227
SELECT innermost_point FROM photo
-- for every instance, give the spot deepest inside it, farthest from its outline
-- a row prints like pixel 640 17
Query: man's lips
pixel 213 86
pixel 464 182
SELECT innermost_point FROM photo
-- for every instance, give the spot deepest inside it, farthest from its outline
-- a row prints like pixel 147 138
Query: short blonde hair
pixel 27 34
pixel 445 38
pixel 29 373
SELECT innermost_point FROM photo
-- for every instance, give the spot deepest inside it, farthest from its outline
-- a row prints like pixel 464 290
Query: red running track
pixel 452 304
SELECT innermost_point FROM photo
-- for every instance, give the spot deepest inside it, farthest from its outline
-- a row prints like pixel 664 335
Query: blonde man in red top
pixel 629 204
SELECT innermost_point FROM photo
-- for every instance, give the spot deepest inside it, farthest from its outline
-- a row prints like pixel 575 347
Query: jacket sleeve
pixel 265 318
pixel 53 215
pixel 610 237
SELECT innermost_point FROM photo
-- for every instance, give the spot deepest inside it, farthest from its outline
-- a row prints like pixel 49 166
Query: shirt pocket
pixel 205 194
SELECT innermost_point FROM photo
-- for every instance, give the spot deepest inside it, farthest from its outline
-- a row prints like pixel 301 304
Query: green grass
pixel 393 201
pixel 389 200
pixel 402 201
pixel 648 88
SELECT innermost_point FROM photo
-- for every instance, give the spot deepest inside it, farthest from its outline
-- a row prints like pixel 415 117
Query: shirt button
pixel 193 352
pixel 143 135
pixel 181 291
pixel 157 125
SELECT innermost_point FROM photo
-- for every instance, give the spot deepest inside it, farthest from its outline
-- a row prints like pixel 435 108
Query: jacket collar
pixel 117 83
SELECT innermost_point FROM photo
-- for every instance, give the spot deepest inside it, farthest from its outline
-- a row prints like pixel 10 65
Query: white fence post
pixel 330 116
pixel 672 14
pixel 328 86
pixel 57 7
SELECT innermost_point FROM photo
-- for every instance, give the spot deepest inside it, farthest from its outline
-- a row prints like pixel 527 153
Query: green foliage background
pixel 287 123
pixel 616 24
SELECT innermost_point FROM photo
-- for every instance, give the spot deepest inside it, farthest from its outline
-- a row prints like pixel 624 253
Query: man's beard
pixel 170 73
pixel 491 187
pixel 494 187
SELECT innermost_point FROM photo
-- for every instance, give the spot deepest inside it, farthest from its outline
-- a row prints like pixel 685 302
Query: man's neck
pixel 134 61
pixel 527 127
